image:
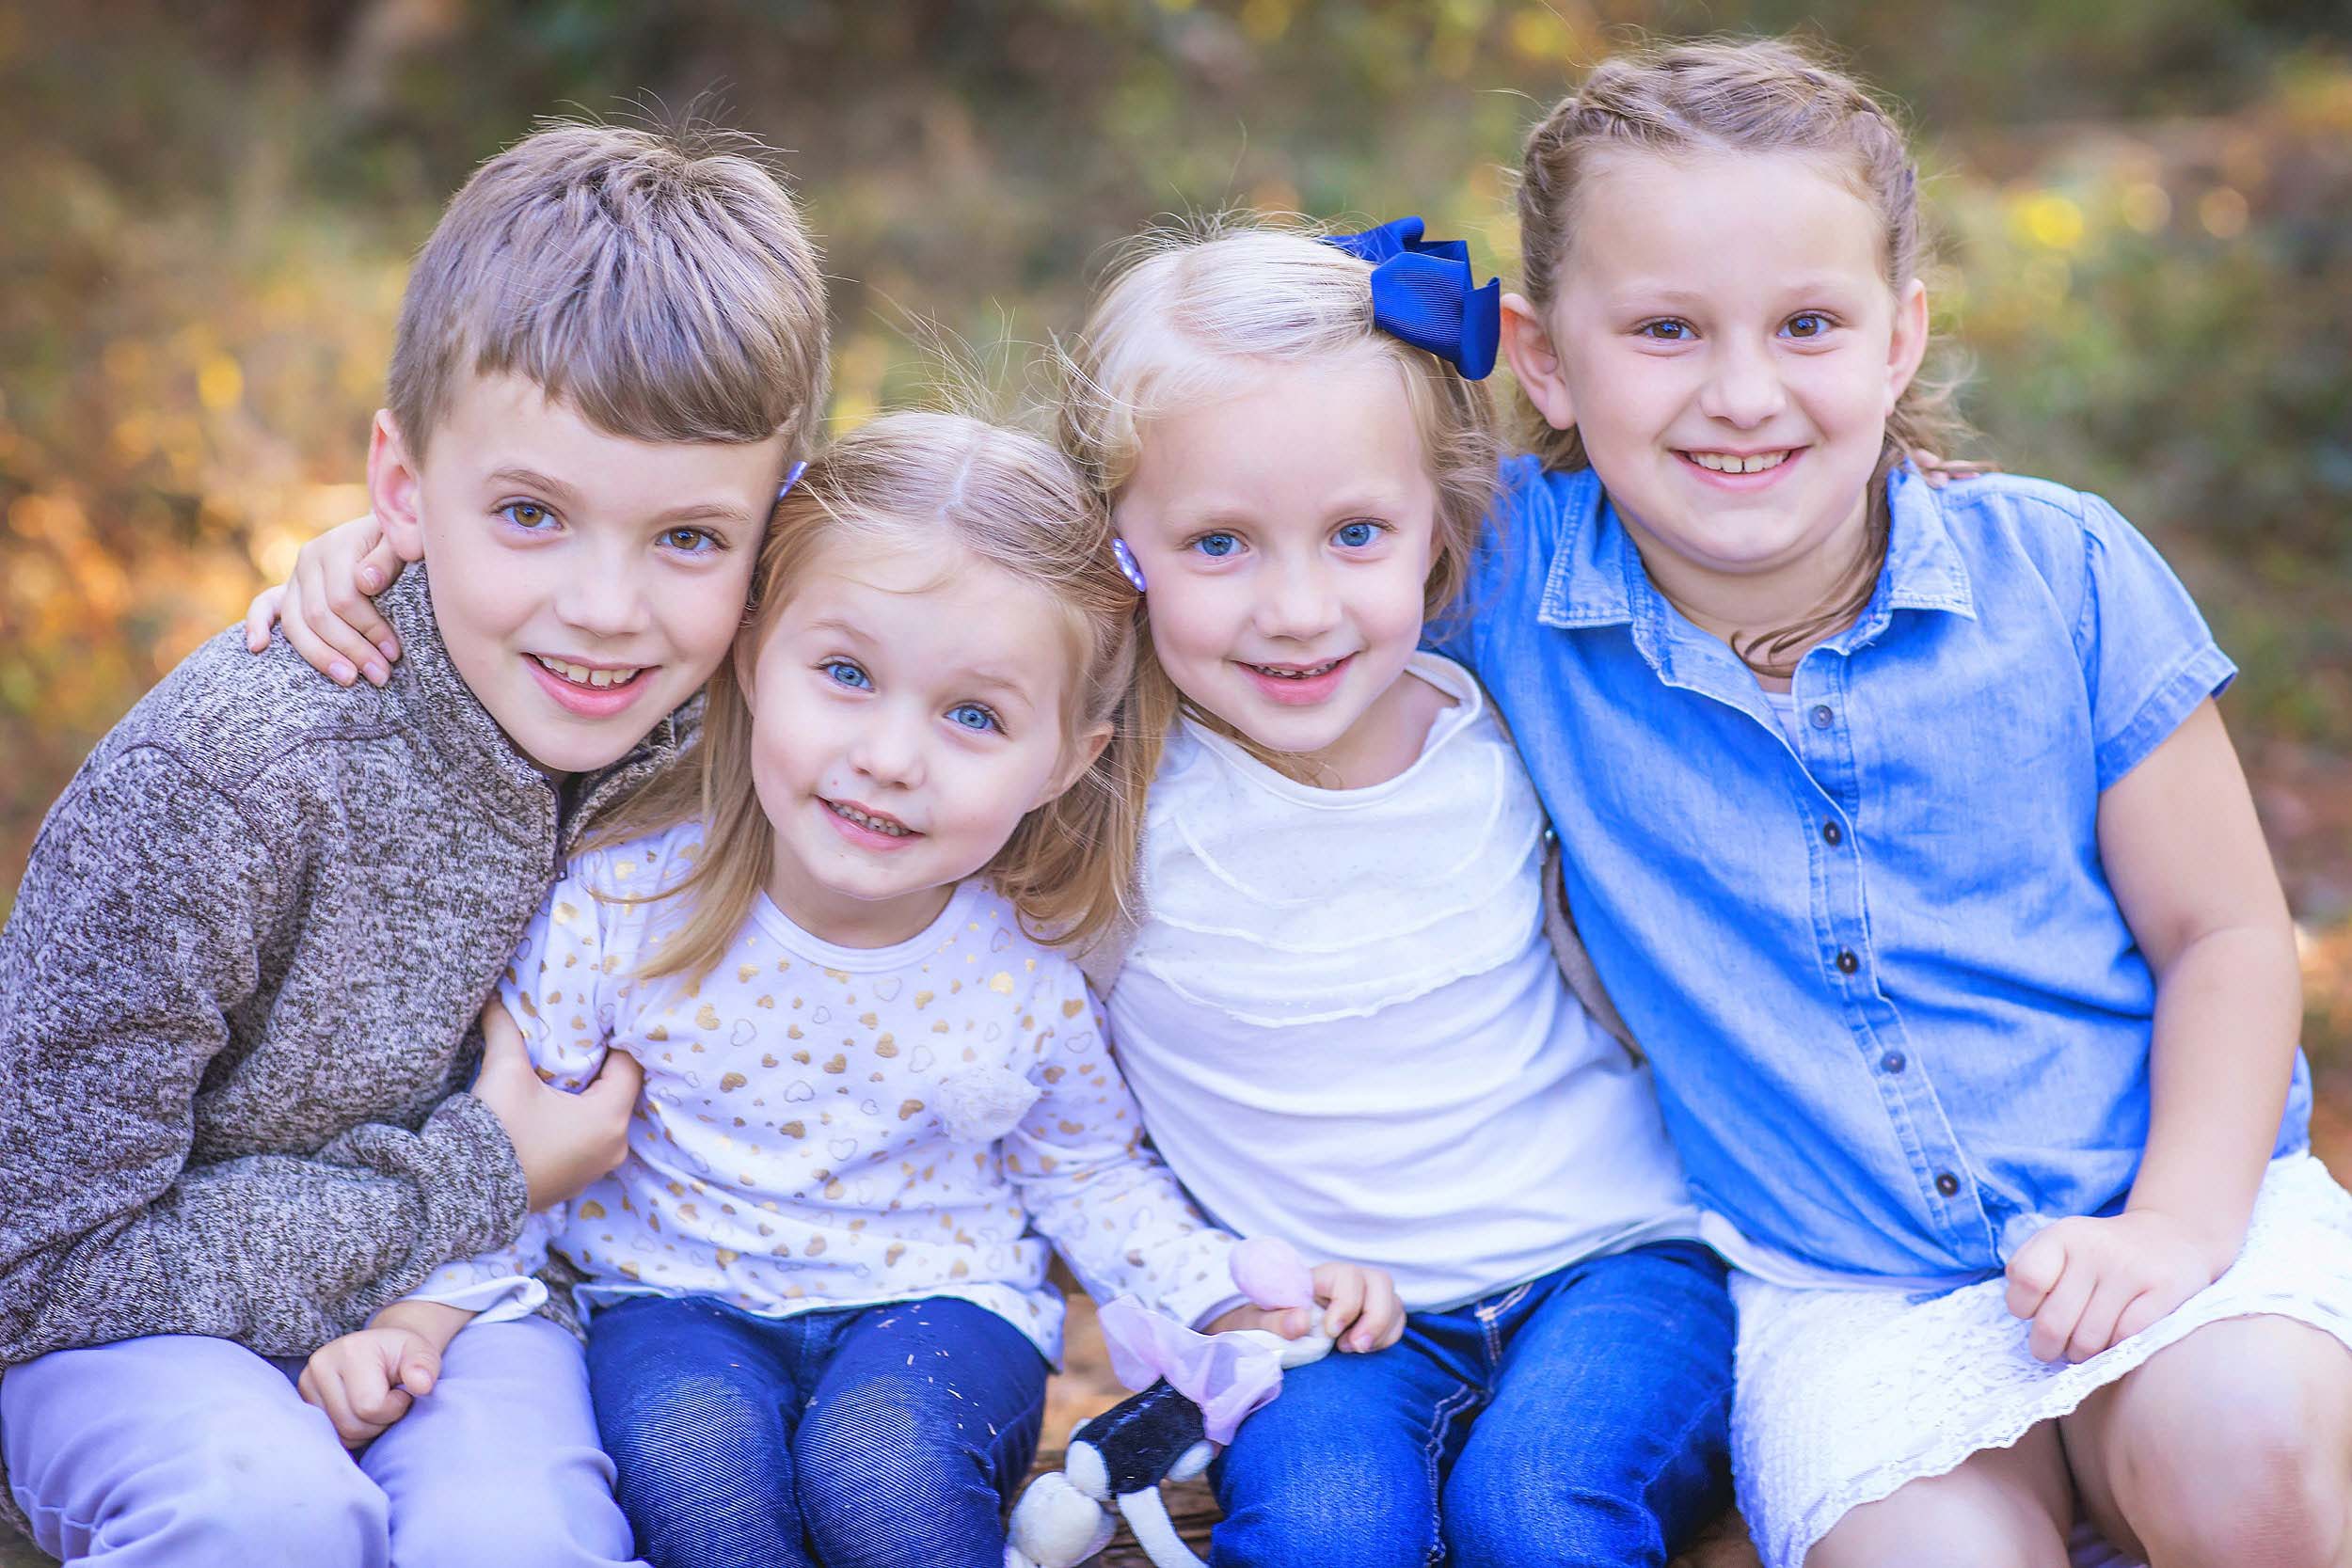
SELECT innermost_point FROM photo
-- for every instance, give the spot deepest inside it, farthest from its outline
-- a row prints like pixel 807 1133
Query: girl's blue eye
pixel 1216 546
pixel 1357 536
pixel 692 541
pixel 973 716
pixel 1810 323
pixel 1668 331
pixel 528 515
pixel 845 673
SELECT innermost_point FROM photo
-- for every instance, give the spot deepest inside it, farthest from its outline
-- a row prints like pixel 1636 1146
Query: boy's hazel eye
pixel 1216 546
pixel 845 673
pixel 1808 325
pixel 1665 331
pixel 1357 536
pixel 530 514
pixel 971 716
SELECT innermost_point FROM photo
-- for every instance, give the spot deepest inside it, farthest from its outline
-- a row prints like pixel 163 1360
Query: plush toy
pixel 1194 1391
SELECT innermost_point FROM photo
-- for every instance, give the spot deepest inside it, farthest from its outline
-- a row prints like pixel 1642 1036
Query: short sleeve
pixel 1496 560
pixel 2146 654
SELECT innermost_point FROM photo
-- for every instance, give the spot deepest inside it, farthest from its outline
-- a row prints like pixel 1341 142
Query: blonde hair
pixel 927 481
pixel 659 282
pixel 1739 95
pixel 1188 315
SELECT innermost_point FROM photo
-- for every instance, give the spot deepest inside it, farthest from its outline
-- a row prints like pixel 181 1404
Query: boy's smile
pixel 583 583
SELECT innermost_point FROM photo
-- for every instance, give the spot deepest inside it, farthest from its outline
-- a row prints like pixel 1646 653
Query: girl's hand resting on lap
pixel 2090 1283
pixel 1360 1310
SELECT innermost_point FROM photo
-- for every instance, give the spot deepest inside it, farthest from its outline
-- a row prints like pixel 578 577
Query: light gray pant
pixel 181 1451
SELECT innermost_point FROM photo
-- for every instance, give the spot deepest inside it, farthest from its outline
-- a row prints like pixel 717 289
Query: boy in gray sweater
pixel 237 992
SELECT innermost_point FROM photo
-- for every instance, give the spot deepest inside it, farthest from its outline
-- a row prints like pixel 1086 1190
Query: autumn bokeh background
pixel 206 214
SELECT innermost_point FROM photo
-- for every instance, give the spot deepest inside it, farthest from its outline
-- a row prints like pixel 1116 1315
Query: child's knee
pixel 1336 1527
pixel 2247 1483
pixel 261 1499
pixel 531 1527
pixel 880 1450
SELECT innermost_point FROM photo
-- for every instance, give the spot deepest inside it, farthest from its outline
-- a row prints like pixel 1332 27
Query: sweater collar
pixel 436 702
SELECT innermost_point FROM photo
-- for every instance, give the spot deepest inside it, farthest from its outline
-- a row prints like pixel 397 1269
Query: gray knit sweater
pixel 237 997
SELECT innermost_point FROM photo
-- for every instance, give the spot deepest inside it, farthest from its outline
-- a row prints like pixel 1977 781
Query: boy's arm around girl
pixel 221 1115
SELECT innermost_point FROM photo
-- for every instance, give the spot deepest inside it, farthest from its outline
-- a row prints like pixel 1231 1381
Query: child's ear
pixel 393 483
pixel 1088 746
pixel 1908 344
pixel 1527 344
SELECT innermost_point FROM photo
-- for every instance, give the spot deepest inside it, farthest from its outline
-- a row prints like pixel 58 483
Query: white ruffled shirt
pixel 1347 1029
pixel 826 1126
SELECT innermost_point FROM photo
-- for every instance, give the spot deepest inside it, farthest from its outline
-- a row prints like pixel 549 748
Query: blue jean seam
pixel 1682 1437
pixel 1432 1442
pixel 996 1444
pixel 1490 1315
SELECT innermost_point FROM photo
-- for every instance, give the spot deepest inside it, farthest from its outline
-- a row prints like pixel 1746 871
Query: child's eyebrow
pixel 555 489
pixel 989 680
pixel 704 512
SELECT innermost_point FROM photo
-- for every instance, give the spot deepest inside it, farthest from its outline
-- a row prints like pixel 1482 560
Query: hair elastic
pixel 1127 567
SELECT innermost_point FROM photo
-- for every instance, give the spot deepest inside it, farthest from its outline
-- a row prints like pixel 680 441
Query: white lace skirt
pixel 1846 1394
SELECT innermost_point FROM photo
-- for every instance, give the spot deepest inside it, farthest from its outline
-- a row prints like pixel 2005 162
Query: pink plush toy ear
pixel 1270 1273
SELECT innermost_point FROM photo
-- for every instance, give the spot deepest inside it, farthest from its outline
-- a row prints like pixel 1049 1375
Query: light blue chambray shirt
pixel 1896 1018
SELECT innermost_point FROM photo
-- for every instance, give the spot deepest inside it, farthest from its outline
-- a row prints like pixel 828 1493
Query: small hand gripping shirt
pixel 826 1126
pixel 1897 1020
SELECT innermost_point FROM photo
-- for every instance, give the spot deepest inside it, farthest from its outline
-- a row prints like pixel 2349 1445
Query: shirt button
pixel 1946 1184
pixel 1832 834
pixel 1847 963
pixel 1892 1061
pixel 1822 717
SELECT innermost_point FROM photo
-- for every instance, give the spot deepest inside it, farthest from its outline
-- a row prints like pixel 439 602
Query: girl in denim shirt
pixel 1902 827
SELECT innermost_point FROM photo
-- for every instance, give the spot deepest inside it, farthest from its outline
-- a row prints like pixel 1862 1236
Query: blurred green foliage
pixel 2146 207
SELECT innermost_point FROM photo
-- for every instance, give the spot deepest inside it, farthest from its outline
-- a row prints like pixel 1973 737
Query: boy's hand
pixel 367 1381
pixel 562 1141
pixel 2090 1283
pixel 1353 1297
pixel 325 608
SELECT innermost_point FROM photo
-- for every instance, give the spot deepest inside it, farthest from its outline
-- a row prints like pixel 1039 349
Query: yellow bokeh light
pixel 219 383
pixel 1265 21
pixel 2050 220
pixel 1537 33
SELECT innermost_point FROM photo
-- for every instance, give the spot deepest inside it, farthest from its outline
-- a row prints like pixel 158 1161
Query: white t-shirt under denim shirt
pixel 1346 1029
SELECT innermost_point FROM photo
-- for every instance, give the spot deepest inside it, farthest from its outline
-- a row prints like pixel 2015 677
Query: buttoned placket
pixel 1824 793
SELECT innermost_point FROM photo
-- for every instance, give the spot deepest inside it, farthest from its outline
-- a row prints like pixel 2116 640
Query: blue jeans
pixel 1582 1418
pixel 864 1438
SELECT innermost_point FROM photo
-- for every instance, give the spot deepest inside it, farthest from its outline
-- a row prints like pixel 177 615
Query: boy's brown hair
pixel 659 282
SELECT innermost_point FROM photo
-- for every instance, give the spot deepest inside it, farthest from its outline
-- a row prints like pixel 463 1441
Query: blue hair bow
pixel 1421 292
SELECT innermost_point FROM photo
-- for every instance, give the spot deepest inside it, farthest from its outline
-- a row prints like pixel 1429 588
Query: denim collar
pixel 1597 577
